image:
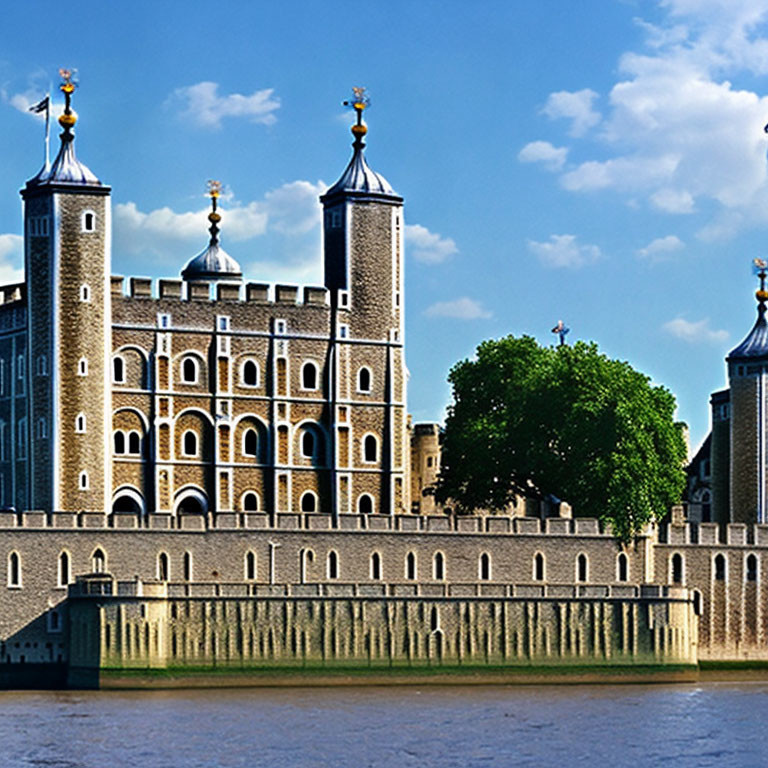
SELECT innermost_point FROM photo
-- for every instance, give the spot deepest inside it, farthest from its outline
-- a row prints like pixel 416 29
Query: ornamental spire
pixel 68 118
pixel 214 190
pixel 360 102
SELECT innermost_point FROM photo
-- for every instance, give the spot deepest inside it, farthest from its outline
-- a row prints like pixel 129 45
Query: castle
pixel 222 474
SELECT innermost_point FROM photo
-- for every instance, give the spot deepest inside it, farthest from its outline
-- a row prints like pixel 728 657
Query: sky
pixel 600 162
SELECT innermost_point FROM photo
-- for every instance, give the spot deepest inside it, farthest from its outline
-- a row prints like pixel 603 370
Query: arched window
pixel 333 565
pixel 14 570
pixel 80 423
pixel 365 504
pixel 308 502
pixel 98 561
pixel 622 567
pixel 309 376
pixel 410 566
pixel 250 566
pixel 249 375
pixel 376 566
pixel 88 221
pixel 163 569
pixel 582 568
pixel 189 443
pixel 306 558
pixel 250 502
pixel 85 292
pixel 720 568
pixel 434 619
pixel 118 370
pixel 538 567
pixel 438 566
pixel 187 566
pixel 364 380
pixel 751 570
pixel 697 602
pixel 64 574
pixel 677 568
pixel 484 567
pixel 134 443
pixel 250 443
pixel 119 440
pixel 370 448
pixel 83 481
pixel 189 371
pixel 308 444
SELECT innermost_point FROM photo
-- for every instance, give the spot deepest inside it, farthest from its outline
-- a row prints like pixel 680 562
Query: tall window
pixel 250 566
pixel 309 376
pixel 333 565
pixel 582 568
pixel 376 566
pixel 14 570
pixel 119 440
pixel 187 566
pixel 189 371
pixel 98 561
pixel 134 443
pixel 485 567
pixel 370 448
pixel 80 423
pixel 538 567
pixel 622 567
pixel 250 374
pixel 438 566
pixel 64 575
pixel 751 568
pixel 308 444
pixel 163 570
pixel 250 443
pixel 88 221
pixel 677 568
pixel 118 370
pixel 364 380
pixel 410 566
pixel 189 443
pixel 365 504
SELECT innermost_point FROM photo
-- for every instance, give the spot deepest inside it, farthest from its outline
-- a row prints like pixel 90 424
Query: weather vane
pixel 360 101
pixel 760 268
pixel 214 190
pixel 67 87
pixel 561 331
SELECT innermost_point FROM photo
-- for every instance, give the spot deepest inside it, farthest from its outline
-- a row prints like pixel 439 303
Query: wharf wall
pixel 135 626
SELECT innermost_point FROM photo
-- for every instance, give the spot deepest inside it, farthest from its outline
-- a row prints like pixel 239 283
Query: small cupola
pixel 359 180
pixel 214 263
pixel 755 345
pixel 66 168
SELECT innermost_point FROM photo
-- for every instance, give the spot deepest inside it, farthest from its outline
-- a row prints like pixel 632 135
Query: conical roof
pixel 66 168
pixel 755 345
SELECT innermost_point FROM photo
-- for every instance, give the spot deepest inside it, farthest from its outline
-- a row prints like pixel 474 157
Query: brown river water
pixel 711 724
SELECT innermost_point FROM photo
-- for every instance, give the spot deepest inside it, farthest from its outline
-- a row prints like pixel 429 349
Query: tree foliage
pixel 567 421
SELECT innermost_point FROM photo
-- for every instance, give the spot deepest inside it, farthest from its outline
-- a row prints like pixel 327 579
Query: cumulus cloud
pixel 661 247
pixel 694 332
pixel 564 251
pixel 428 247
pixel 551 157
pixel 576 106
pixel 11 259
pixel 202 105
pixel 463 308
pixel 683 122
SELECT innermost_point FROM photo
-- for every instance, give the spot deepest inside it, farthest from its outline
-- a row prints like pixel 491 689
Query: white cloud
pixel 694 332
pixel 661 247
pixel 201 104
pixel 680 128
pixel 459 309
pixel 428 247
pixel 564 251
pixel 551 157
pixel 11 259
pixel 29 98
pixel 577 106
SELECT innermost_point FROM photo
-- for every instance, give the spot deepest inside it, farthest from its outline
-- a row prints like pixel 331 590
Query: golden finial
pixel 360 101
pixel 214 191
pixel 760 268
pixel 68 84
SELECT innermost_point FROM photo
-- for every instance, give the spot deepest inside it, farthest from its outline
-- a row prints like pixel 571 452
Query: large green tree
pixel 567 421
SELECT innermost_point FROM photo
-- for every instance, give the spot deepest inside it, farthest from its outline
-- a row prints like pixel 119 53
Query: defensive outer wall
pixel 257 592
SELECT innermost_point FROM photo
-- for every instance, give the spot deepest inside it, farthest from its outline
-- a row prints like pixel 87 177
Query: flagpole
pixel 48 132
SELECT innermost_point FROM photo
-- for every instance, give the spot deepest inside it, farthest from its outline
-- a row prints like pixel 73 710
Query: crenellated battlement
pixel 712 534
pixel 181 290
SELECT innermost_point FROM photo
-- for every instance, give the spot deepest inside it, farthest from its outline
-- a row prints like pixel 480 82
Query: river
pixel 717 724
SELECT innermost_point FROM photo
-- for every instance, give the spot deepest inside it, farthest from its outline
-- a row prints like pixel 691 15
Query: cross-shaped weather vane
pixel 561 331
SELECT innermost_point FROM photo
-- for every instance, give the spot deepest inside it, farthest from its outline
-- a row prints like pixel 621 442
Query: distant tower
pixel 747 414
pixel 363 258
pixel 66 259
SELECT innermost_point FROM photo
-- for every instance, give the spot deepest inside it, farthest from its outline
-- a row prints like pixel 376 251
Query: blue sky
pixel 601 162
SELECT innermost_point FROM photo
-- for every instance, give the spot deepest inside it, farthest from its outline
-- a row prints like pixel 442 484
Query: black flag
pixel 41 106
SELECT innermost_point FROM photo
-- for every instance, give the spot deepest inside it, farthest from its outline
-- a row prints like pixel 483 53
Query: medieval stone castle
pixel 213 472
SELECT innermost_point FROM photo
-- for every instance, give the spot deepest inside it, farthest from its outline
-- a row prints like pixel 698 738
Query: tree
pixel 567 421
